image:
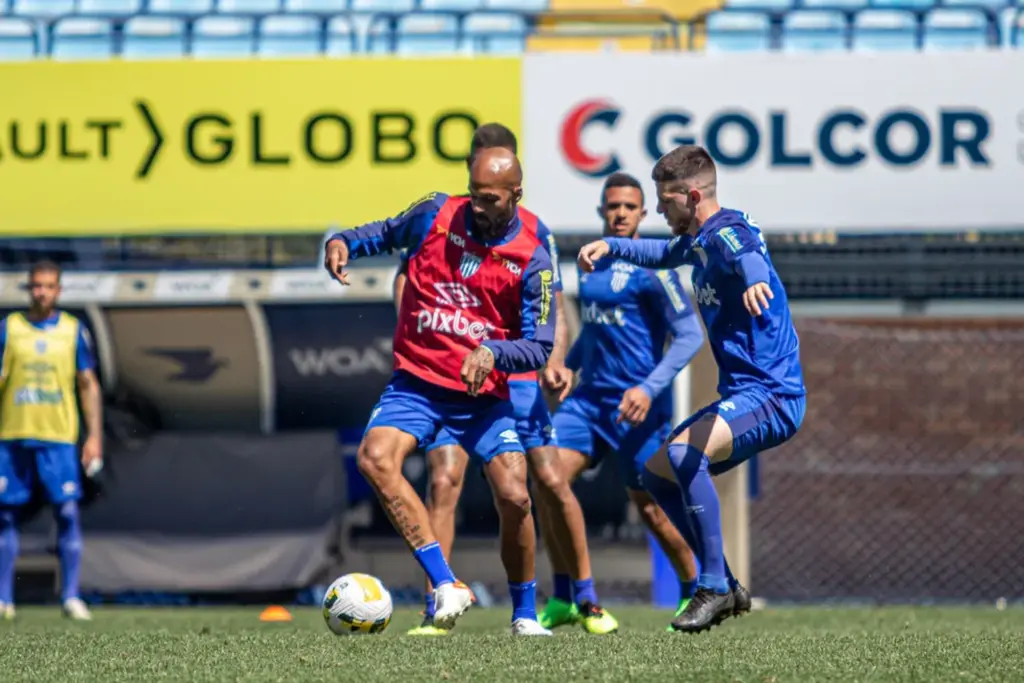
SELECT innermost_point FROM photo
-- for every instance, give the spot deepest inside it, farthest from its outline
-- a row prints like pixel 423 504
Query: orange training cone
pixel 275 613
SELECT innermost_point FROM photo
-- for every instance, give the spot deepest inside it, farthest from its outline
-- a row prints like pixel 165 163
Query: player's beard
pixel 491 228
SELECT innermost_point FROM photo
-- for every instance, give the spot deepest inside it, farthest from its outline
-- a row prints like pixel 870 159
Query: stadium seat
pixel 383 5
pixel 315 6
pixel 180 7
pixel 518 5
pixel 956 29
pixel 1011 26
pixel 248 6
pixel 994 5
pixel 495 33
pixel 738 32
pixel 835 4
pixel 150 37
pixel 451 5
pixel 82 38
pixel 814 30
pixel 289 36
pixel 341 37
pixel 18 39
pixel 760 4
pixel 883 29
pixel 223 37
pixel 903 4
pixel 42 8
pixel 119 8
pixel 427 34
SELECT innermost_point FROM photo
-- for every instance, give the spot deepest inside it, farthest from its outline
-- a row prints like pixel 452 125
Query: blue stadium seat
pixel 151 37
pixel 248 6
pixel 315 6
pixel 738 32
pixel 518 5
pixel 289 36
pixel 495 33
pixel 761 4
pixel 82 38
pixel 994 5
pixel 424 33
pixel 1011 26
pixel 43 8
pixel 180 7
pixel 883 30
pixel 223 37
pixel 18 39
pixel 904 4
pixel 376 33
pixel 835 4
pixel 452 5
pixel 383 5
pixel 118 8
pixel 341 37
pixel 956 29
pixel 814 30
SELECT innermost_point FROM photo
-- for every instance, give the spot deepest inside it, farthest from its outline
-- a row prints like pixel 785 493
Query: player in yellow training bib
pixel 47 358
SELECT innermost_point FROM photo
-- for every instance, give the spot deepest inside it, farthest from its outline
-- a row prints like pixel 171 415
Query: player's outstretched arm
pixel 687 334
pixel 539 310
pixel 649 253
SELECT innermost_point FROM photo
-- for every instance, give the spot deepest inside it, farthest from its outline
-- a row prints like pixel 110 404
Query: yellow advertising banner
pixel 116 148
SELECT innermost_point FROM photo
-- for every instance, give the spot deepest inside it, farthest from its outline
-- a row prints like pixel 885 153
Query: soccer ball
pixel 357 603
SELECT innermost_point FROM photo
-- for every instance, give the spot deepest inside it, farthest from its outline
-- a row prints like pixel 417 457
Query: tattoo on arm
pixel 92 405
pixel 412 533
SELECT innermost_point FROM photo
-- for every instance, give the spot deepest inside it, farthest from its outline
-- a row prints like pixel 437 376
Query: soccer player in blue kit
pixel 746 314
pixel 623 402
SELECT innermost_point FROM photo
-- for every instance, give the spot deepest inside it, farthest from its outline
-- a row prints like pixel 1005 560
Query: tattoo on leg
pixel 412 533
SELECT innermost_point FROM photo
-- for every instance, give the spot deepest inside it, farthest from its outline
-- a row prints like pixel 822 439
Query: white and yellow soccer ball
pixel 356 604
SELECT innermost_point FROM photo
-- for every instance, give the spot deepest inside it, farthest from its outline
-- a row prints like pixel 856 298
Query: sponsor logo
pixel 37 396
pixel 343 361
pixel 506 264
pixel 454 324
pixel 731 239
pixel 671 291
pixel 509 436
pixel 592 313
pixel 707 296
pixel 194 365
pixel 579 118
pixel 455 294
pixel 546 278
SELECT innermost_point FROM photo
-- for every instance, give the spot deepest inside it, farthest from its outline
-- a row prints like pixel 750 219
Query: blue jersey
pixel 728 256
pixel 628 316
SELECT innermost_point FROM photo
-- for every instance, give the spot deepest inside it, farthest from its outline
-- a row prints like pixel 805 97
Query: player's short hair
pixel 490 136
pixel 619 179
pixel 687 163
pixel 44 266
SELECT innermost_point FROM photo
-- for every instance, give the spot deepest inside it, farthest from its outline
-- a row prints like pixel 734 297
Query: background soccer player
pixel 560 512
pixel 47 355
pixel 478 299
pixel 624 400
pixel 760 381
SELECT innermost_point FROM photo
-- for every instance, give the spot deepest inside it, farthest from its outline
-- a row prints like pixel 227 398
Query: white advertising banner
pixel 848 142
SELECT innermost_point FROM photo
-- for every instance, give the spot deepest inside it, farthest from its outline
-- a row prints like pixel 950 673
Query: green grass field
pixel 774 645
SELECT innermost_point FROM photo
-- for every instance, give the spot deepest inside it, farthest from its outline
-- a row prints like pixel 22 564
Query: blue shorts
pixel 56 466
pixel 533 422
pixel 485 426
pixel 759 420
pixel 584 416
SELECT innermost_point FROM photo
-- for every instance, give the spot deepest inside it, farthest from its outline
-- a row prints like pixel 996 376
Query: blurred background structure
pixel 182 160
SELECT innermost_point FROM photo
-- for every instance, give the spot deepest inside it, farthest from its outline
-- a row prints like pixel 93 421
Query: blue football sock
pixel 69 547
pixel 563 587
pixel 687 589
pixel 8 553
pixel 432 560
pixel 585 591
pixel 691 468
pixel 428 610
pixel 671 499
pixel 524 600
pixel 728 574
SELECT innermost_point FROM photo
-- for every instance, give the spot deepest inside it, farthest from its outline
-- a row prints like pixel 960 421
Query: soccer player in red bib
pixel 478 304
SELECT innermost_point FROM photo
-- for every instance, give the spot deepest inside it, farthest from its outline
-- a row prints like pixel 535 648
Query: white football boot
pixel 7 611
pixel 528 627
pixel 75 609
pixel 451 601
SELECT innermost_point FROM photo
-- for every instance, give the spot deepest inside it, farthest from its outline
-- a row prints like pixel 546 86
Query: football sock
pixel 8 554
pixel 563 587
pixel 687 589
pixel 69 547
pixel 432 560
pixel 585 591
pixel 671 499
pixel 728 574
pixel 691 468
pixel 428 610
pixel 524 600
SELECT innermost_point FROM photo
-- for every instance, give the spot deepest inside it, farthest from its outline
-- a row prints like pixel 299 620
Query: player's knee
pixel 375 461
pixel 445 488
pixel 651 514
pixel 548 481
pixel 512 499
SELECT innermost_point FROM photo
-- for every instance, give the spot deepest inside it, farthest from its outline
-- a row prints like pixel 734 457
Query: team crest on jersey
pixel 620 275
pixel 469 264
pixel 40 346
